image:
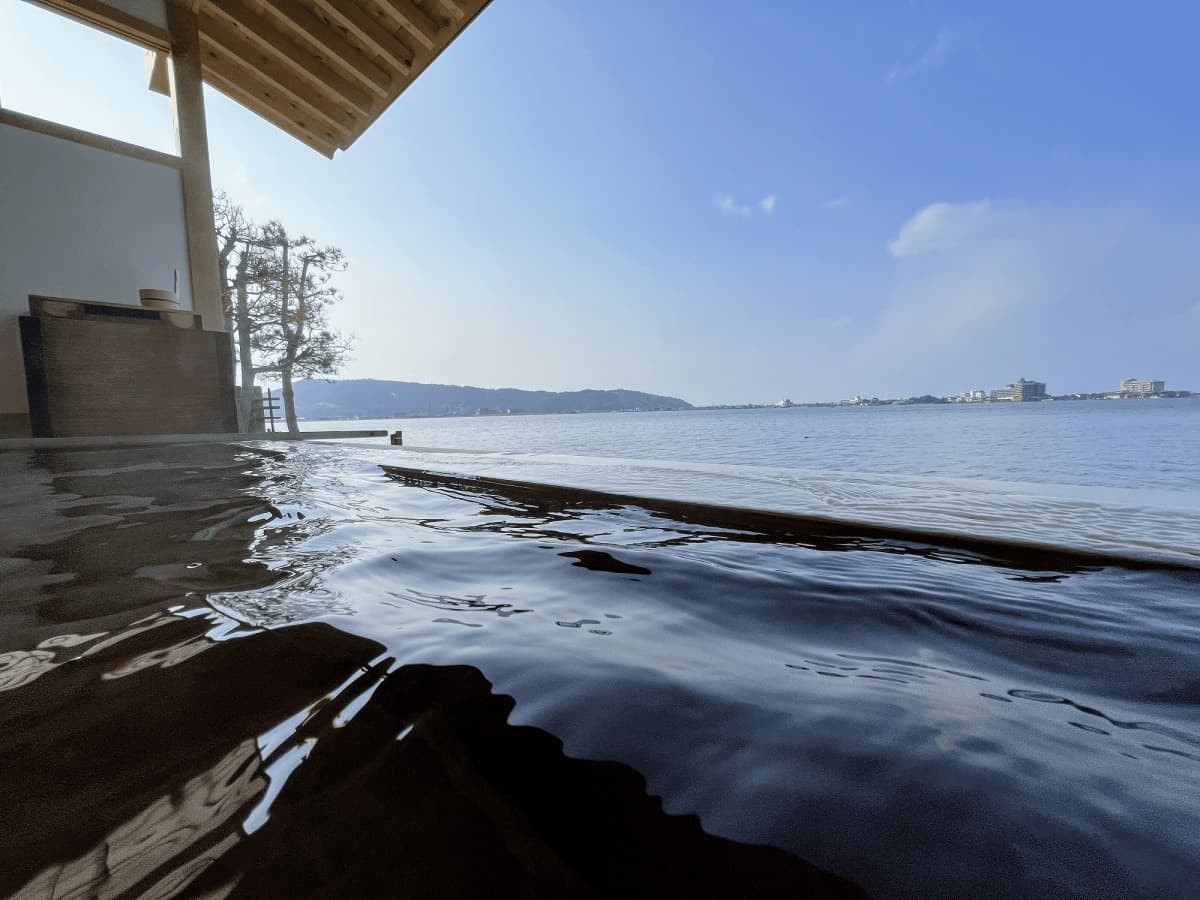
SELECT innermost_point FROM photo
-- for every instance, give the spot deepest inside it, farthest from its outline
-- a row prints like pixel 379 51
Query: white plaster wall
pixel 77 221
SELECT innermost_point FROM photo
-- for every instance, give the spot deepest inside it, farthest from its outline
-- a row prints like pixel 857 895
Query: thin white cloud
pixel 836 202
pixel 730 207
pixel 949 38
pixel 966 275
pixel 972 277
pixel 941 226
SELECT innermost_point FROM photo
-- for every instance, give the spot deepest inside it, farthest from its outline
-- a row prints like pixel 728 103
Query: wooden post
pixel 191 138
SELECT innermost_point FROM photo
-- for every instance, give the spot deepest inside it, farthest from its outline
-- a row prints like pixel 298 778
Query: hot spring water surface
pixel 257 672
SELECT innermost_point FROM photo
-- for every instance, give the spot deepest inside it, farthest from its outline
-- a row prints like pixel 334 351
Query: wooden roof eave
pixel 242 96
pixel 321 70
pixel 461 14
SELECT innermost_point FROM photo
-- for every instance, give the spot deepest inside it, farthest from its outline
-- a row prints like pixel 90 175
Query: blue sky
pixel 766 200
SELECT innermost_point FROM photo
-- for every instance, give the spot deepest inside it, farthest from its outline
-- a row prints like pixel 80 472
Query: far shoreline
pixel 1182 395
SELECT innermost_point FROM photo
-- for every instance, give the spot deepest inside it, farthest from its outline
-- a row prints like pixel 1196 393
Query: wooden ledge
pixel 87 138
pixel 152 440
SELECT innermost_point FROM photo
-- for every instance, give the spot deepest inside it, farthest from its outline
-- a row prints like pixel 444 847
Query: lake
pixel 1129 444
pixel 1118 477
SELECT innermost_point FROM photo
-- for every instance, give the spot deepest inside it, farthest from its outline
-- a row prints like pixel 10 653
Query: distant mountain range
pixel 370 399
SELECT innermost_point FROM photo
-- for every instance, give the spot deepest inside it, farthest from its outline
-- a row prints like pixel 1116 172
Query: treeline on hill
pixel 371 399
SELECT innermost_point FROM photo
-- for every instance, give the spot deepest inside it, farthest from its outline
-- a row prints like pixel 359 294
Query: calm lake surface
pixel 272 670
pixel 1116 477
pixel 1108 443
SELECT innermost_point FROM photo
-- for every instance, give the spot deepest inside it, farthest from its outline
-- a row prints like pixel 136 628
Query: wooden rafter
pixel 280 47
pixel 247 99
pixel 228 48
pixel 367 29
pixel 303 23
pixel 221 70
pixel 112 18
pixel 414 19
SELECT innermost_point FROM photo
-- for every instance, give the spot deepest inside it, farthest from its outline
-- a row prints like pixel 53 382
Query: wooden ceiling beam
pixel 414 19
pixel 233 72
pixel 301 21
pixel 230 45
pixel 453 7
pixel 247 99
pixel 262 32
pixel 422 58
pixel 108 17
pixel 321 70
pixel 369 31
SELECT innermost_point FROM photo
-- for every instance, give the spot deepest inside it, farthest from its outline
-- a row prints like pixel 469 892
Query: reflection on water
pixel 184 753
pixel 162 839
pixel 483 691
pixel 382 784
pixel 599 561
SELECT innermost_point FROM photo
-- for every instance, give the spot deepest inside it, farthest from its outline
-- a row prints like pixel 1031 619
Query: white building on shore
pixel 1138 387
pixel 972 396
pixel 1021 391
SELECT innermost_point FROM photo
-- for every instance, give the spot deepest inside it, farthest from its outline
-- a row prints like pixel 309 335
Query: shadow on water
pixel 153 747
pixel 599 561
pixel 178 772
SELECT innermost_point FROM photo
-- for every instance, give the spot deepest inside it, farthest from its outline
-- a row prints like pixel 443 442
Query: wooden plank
pixel 369 31
pixel 423 58
pixel 97 377
pixel 227 49
pixel 418 23
pixel 298 130
pixel 67 133
pixel 108 18
pixel 37 388
pixel 262 31
pixel 453 7
pixel 301 21
pixel 68 308
pixel 220 72
pixel 107 441
pixel 187 95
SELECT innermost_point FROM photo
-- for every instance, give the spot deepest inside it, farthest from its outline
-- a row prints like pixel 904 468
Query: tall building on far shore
pixel 1021 390
pixel 1137 387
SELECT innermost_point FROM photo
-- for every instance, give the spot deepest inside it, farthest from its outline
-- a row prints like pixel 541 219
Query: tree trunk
pixel 245 354
pixel 289 398
pixel 289 353
pixel 295 340
pixel 228 245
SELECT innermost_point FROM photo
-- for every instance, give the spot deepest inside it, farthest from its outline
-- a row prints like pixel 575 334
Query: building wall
pixel 82 222
pixel 1142 386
